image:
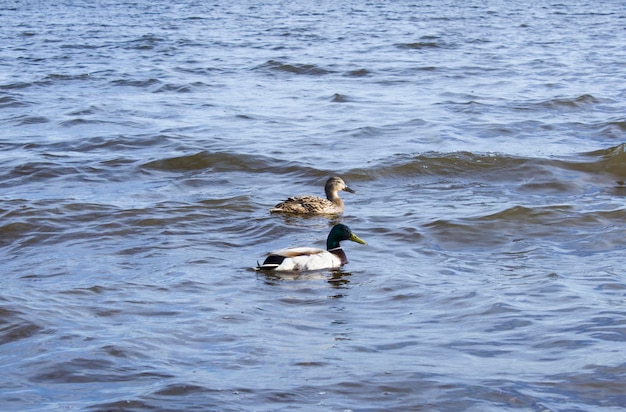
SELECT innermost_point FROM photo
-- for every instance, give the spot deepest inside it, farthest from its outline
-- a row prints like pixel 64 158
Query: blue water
pixel 144 143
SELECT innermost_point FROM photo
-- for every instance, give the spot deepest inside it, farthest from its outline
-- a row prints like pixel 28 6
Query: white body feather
pixel 306 258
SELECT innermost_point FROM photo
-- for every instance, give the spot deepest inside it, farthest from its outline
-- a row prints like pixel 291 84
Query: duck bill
pixel 357 239
pixel 347 189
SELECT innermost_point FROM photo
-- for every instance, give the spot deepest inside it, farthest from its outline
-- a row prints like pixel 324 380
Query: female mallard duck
pixel 309 258
pixel 313 205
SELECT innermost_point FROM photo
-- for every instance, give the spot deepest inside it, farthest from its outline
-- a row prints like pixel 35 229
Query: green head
pixel 341 232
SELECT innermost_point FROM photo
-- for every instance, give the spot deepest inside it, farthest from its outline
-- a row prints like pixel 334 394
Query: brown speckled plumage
pixel 313 205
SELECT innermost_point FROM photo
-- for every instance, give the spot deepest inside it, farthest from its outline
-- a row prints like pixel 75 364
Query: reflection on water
pixel 337 279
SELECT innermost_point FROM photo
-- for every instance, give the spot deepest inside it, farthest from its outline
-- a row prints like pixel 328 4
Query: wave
pixel 11 102
pixel 15 324
pixel 519 227
pixel 225 162
pixel 420 45
pixel 30 120
pixel 610 163
pixel 143 83
pixel 570 103
pixel 304 69
pixel 358 73
pixel 562 103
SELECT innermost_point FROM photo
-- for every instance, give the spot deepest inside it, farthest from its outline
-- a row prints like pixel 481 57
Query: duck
pixel 313 205
pixel 310 258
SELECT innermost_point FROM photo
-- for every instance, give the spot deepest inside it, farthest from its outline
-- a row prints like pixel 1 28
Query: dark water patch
pixel 340 98
pixel 612 129
pixel 459 164
pixel 558 344
pixel 493 395
pixel 610 161
pixel 58 77
pixel 224 162
pixel 16 85
pixel 550 186
pixel 561 224
pixel 146 42
pixel 200 71
pixel 605 164
pixel 15 326
pixel 142 84
pixel 358 73
pixel 581 102
pixel 44 171
pixel 608 326
pixel 617 124
pixel 117 145
pixel 92 109
pixel 40 170
pixel 398 235
pixel 81 46
pixel 49 221
pixel 24 233
pixel 419 45
pixel 592 385
pixel 299 69
pixel 174 88
pixel 102 123
pixel 126 405
pixel 366 132
pixel 179 396
pixel 539 175
pixel 11 102
pixel 241 203
pixel 31 120
pixel 92 370
pixel 83 122
pixel 528 214
pixel 180 390
pixel 91 290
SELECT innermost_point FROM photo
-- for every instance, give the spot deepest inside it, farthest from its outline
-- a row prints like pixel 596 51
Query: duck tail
pixel 266 267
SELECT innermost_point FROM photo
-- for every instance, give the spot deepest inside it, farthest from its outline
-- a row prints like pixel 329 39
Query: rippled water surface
pixel 144 142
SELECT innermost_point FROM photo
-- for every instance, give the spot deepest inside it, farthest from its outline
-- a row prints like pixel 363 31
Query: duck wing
pixel 297 251
pixel 306 205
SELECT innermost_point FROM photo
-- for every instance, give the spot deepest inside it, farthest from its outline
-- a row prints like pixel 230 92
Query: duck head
pixel 341 232
pixel 335 184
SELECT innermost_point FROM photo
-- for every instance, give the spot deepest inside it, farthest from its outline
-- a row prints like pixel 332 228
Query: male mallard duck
pixel 309 258
pixel 313 205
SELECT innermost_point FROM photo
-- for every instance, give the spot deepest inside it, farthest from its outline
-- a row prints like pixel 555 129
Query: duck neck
pixel 338 251
pixel 332 242
pixel 334 197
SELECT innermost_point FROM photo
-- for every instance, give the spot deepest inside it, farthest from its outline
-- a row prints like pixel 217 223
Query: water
pixel 144 143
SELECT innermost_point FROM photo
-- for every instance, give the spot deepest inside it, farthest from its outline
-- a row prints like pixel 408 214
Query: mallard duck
pixel 313 205
pixel 310 258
